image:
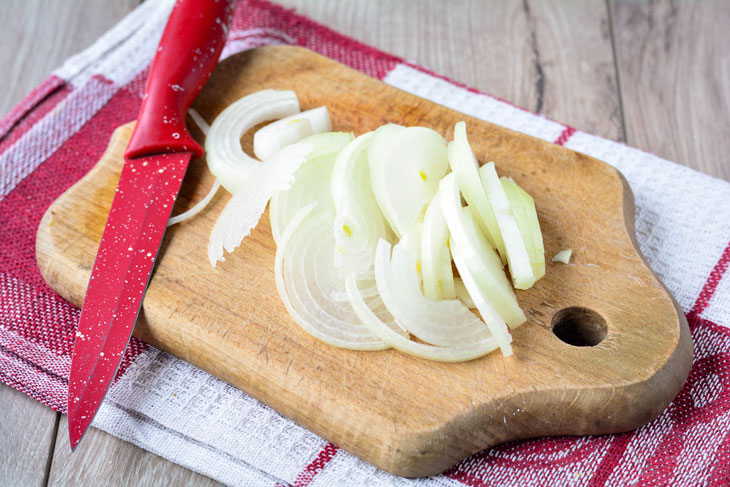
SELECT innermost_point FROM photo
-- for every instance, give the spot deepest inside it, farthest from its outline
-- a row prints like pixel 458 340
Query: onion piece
pixel 563 256
pixel 244 209
pixel 198 207
pixel 405 170
pixel 460 353
pixel 476 253
pixel 225 156
pixel 289 130
pixel 523 209
pixel 462 294
pixel 311 180
pixel 411 243
pixel 305 281
pixel 358 224
pixel 205 128
pixel 517 258
pixel 490 315
pixel 445 323
pixel 199 121
pixel 464 164
pixel 435 259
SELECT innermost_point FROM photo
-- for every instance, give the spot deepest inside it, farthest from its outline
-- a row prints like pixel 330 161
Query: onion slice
pixel 477 255
pixel 289 130
pixel 517 258
pixel 464 164
pixel 306 282
pixel 462 294
pixel 205 128
pixel 198 207
pixel 523 209
pixel 244 209
pixel 490 315
pixel 444 323
pixel 460 353
pixel 411 243
pixel 225 156
pixel 311 180
pixel 405 169
pixel 438 278
pixel 358 224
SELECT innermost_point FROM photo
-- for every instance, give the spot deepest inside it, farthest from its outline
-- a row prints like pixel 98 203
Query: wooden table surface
pixel 655 75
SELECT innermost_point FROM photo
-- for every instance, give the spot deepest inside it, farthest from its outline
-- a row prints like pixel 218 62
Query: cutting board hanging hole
pixel 580 327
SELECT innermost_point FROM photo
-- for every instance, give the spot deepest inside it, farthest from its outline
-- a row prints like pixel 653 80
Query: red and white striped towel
pixel 175 410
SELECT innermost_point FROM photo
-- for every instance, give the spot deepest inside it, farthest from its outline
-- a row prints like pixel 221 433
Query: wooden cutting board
pixel 409 416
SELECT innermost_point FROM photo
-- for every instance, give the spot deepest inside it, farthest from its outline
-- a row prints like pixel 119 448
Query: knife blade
pixel 155 163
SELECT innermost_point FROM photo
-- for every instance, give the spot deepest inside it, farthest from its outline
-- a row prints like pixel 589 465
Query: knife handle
pixel 189 50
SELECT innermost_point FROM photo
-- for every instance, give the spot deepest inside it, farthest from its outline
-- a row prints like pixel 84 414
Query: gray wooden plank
pixel 36 36
pixel 104 460
pixel 549 56
pixel 27 431
pixel 674 72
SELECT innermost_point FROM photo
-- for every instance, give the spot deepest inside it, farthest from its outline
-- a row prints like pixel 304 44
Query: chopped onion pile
pixel 367 229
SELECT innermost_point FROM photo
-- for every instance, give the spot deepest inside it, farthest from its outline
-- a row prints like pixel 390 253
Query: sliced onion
pixel 205 128
pixel 438 278
pixel 306 283
pixel 358 224
pixel 444 323
pixel 464 164
pixel 411 243
pixel 199 121
pixel 405 170
pixel 462 294
pixel 311 180
pixel 476 253
pixel 244 209
pixel 523 209
pixel 517 257
pixel 198 207
pixel 490 315
pixel 225 156
pixel 460 353
pixel 563 256
pixel 289 130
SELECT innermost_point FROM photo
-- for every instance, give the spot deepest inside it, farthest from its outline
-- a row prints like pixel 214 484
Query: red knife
pixel 154 165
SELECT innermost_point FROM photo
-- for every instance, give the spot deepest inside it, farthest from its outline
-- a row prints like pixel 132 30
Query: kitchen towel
pixel 57 133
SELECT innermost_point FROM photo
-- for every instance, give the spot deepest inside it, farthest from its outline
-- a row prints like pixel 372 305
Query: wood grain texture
pixel 104 460
pixel 674 68
pixel 27 431
pixel 231 322
pixel 38 35
pixel 552 57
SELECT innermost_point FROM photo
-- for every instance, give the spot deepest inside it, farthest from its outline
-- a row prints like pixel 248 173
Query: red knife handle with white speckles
pixel 189 50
